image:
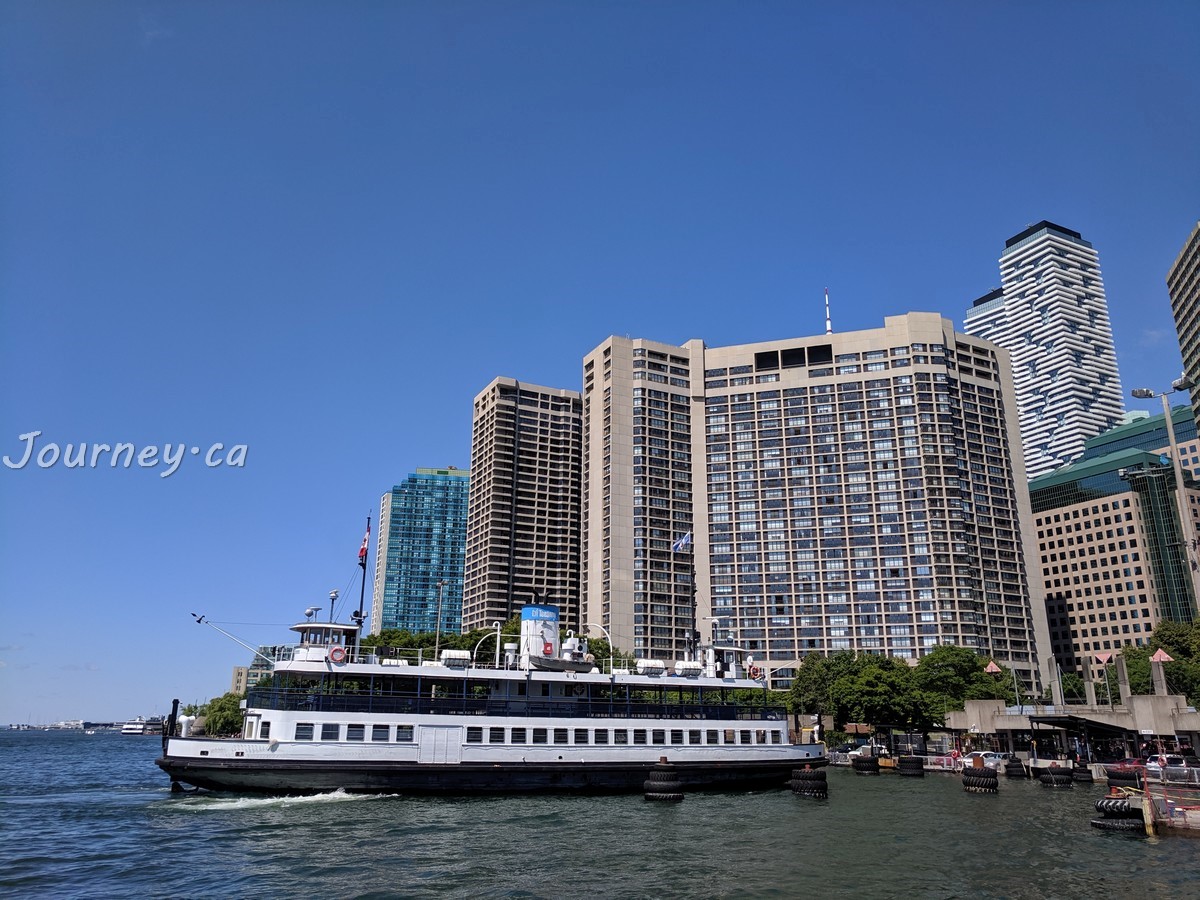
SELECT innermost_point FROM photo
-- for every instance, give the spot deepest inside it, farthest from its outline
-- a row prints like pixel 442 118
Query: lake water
pixel 91 816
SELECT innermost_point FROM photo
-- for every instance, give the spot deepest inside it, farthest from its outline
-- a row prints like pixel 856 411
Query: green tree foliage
pixel 885 691
pixel 223 715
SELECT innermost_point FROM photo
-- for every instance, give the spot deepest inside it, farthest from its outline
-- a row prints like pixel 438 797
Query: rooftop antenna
pixel 828 321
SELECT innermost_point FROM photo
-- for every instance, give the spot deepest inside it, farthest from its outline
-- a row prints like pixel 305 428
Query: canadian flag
pixel 362 551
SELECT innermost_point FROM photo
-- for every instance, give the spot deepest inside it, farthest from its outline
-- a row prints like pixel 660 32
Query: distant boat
pixel 142 725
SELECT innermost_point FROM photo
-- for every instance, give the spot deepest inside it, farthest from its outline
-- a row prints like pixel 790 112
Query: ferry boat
pixel 537 717
pixel 142 725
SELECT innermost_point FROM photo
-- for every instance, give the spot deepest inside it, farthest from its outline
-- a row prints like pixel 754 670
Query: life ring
pixel 754 672
pixel 337 655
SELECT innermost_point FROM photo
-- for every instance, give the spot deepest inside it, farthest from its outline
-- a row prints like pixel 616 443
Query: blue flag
pixel 682 542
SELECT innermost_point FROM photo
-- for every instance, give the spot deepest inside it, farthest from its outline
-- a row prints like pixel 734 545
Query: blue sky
pixel 318 229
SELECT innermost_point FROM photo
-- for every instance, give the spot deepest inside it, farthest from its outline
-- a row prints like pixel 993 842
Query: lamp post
pixel 437 636
pixel 1186 524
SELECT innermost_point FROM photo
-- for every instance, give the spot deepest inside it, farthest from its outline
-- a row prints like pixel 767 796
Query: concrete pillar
pixel 1089 686
pixel 1123 680
pixel 1158 678
pixel 1056 691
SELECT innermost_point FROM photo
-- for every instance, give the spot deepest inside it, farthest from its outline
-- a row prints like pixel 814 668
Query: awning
pixel 1080 723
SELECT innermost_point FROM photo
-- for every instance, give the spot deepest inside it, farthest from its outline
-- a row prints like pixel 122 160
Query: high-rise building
pixel 523 518
pixel 420 552
pixel 1113 554
pixel 637 495
pixel 1183 286
pixel 1052 317
pixel 854 491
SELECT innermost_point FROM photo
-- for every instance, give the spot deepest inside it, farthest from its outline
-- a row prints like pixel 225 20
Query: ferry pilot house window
pixel 304 731
pixel 329 731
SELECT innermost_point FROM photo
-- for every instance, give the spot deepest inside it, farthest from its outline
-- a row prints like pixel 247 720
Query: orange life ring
pixel 337 655
pixel 754 672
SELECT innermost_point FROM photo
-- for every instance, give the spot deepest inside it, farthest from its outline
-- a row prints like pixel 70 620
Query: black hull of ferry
pixel 463 778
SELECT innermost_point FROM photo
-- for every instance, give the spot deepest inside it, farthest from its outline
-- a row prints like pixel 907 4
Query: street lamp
pixel 1186 524
pixel 437 637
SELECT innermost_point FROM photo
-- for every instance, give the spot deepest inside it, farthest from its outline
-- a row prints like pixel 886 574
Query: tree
pixel 879 693
pixel 223 715
pixel 812 687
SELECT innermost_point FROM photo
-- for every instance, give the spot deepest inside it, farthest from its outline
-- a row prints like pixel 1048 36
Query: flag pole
pixel 362 588
pixel 363 564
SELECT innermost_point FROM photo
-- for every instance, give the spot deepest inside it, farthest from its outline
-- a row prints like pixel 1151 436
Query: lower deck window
pixel 539 735
pixel 404 734
pixel 621 736
pixel 659 736
pixel 601 735
pixel 581 735
pixel 561 736
pixel 639 735
pixel 356 732
pixel 776 737
pixel 712 737
pixel 694 737
pixel 495 735
pixel 380 732
pixel 330 731
pixel 518 735
pixel 676 736
pixel 304 731
pixel 474 734
pixel 746 738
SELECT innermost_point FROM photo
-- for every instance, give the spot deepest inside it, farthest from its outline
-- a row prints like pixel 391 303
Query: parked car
pixel 1154 764
pixel 991 759
pixel 870 750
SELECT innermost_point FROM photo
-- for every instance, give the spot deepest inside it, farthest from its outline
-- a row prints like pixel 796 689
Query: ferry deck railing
pixel 582 708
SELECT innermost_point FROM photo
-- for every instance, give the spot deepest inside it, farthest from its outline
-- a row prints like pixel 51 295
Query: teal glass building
pixel 420 553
